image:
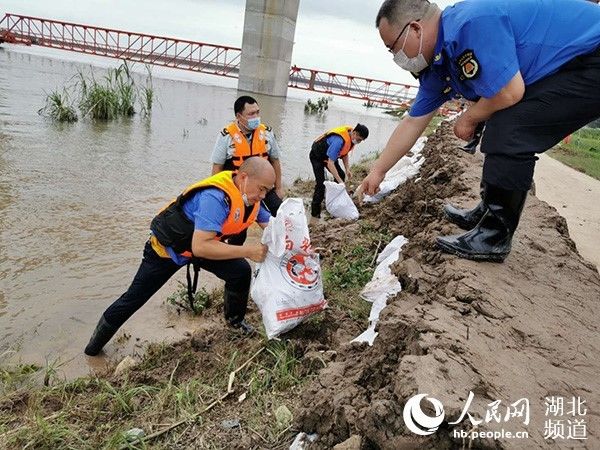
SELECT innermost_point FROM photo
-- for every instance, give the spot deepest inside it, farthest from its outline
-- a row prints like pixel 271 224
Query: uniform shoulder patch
pixel 224 132
pixel 269 128
pixel 469 65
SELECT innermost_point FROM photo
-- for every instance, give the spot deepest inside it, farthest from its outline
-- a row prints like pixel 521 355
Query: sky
pixel 331 35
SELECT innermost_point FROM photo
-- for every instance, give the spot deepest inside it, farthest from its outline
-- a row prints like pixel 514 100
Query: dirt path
pixel 576 196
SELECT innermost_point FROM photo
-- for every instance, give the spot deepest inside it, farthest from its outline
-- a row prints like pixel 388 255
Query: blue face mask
pixel 253 123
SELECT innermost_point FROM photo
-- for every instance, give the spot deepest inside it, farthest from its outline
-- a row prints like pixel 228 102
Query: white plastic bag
pixel 383 285
pixel 338 201
pixel 404 169
pixel 287 286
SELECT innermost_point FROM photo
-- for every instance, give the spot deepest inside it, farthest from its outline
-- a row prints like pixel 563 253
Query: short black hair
pixel 241 103
pixel 395 11
pixel 387 10
pixel 362 130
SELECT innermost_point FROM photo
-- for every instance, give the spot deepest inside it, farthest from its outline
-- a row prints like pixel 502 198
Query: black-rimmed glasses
pixel 391 47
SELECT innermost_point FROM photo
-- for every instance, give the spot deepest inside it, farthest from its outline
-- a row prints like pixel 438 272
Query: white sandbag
pixel 404 169
pixel 287 286
pixel 382 286
pixel 338 202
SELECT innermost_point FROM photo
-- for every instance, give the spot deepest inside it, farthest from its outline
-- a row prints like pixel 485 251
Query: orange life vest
pixel 344 133
pixel 172 228
pixel 243 149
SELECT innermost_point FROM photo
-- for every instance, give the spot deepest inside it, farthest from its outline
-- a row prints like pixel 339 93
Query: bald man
pixel 192 229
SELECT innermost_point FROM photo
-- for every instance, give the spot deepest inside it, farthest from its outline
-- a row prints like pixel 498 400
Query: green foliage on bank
pixel 582 153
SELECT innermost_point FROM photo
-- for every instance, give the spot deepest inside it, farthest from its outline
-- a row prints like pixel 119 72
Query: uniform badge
pixel 237 138
pixel 236 215
pixel 469 66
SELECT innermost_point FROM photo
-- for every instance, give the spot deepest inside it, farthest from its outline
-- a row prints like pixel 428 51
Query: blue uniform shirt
pixel 482 44
pixel 334 146
pixel 206 209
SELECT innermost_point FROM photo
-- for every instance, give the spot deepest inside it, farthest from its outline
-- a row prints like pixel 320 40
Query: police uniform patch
pixel 469 65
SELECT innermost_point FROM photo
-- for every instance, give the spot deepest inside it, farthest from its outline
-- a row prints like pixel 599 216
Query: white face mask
pixel 415 64
pixel 355 142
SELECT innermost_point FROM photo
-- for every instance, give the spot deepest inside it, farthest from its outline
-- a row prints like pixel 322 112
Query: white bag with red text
pixel 338 202
pixel 287 286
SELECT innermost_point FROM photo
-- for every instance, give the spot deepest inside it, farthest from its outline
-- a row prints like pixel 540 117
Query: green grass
pixel 346 273
pixel 94 412
pixel 396 112
pixel 48 434
pixel 278 370
pixel 582 153
pixel 147 94
pixel 114 95
pixel 435 121
pixel 59 107
pixel 12 378
pixel 202 298
pixel 320 106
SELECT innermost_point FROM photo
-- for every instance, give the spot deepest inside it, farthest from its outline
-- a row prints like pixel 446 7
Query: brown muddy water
pixel 76 201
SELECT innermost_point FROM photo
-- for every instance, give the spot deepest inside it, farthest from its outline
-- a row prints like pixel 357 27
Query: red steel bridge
pixel 188 55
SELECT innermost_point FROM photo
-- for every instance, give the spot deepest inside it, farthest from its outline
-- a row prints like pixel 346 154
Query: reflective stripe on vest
pixel 243 150
pixel 344 133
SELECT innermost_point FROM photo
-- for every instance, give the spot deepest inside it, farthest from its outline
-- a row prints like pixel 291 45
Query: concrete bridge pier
pixel 269 28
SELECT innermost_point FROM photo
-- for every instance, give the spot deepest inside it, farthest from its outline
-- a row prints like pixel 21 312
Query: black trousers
pixel 551 109
pixel 319 167
pixel 272 203
pixel 155 271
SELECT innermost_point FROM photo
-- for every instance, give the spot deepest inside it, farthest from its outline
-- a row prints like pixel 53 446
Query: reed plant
pixel 114 95
pixel 319 107
pixel 147 94
pixel 59 107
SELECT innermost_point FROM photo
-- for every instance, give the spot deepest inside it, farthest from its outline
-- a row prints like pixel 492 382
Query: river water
pixel 76 200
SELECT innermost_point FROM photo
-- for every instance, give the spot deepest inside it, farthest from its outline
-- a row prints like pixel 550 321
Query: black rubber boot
pixel 467 219
pixel 101 335
pixel 235 306
pixel 471 146
pixel 243 327
pixel 491 238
